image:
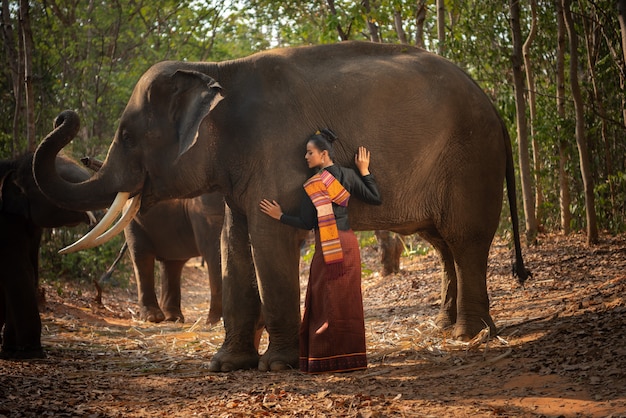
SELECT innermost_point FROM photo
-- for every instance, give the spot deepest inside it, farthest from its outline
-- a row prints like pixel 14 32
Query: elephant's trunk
pixel 92 194
pixel 95 193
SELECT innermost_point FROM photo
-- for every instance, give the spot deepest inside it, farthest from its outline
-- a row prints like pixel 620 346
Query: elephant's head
pixel 149 158
pixel 20 196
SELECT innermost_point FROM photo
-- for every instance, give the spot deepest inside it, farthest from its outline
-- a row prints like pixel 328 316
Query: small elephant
pixel 24 212
pixel 172 232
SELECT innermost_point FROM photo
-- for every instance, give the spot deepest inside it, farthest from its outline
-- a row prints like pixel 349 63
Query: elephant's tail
pixel 519 270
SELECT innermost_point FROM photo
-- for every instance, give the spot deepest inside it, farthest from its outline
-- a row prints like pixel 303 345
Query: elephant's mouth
pixel 100 233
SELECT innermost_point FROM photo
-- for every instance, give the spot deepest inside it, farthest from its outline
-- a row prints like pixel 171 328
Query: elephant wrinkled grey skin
pixel 172 232
pixel 24 213
pixel 440 154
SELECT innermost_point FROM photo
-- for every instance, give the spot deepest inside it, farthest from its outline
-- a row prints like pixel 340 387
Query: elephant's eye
pixel 127 139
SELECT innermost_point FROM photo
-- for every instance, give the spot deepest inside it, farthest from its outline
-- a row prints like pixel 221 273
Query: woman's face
pixel 314 157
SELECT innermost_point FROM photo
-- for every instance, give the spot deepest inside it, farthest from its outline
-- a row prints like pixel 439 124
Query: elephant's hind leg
pixel 446 317
pixel 473 300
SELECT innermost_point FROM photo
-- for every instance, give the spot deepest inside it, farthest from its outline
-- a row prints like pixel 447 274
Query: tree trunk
pixel 420 17
pixel 581 140
pixel 621 10
pixel 522 130
pixel 15 64
pixel 333 11
pixel 591 43
pixel 391 249
pixel 564 194
pixel 397 20
pixel 532 103
pixel 27 39
pixel 441 27
pixel 371 24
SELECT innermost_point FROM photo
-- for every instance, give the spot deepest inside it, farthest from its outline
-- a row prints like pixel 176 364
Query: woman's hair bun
pixel 328 134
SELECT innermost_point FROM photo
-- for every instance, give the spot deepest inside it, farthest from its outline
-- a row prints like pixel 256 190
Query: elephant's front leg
pixel 240 296
pixel 276 256
pixel 171 272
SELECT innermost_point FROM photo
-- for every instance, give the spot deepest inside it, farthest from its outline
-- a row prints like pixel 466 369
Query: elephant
pixel 440 154
pixel 172 232
pixel 24 213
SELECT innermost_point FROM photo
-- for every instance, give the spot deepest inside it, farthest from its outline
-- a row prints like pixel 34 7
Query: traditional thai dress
pixel 332 332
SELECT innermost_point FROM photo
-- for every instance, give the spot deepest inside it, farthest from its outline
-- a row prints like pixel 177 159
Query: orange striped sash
pixel 324 189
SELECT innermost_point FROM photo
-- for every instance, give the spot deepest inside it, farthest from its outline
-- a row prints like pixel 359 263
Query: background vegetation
pixel 88 54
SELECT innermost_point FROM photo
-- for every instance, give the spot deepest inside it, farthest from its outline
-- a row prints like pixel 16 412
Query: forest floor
pixel 561 349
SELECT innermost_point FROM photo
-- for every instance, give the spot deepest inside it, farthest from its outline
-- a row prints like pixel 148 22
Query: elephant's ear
pixel 195 95
pixel 12 198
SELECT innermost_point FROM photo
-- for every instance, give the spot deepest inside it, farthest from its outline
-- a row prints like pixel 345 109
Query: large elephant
pixel 172 232
pixel 440 153
pixel 24 213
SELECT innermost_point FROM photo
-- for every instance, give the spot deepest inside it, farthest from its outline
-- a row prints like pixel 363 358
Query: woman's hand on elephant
pixel 271 208
pixel 362 161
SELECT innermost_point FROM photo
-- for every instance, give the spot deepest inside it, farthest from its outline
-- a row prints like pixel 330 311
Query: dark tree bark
pixel 391 251
pixel 532 104
pixel 397 20
pixel 14 63
pixel 441 27
pixel 343 35
pixel 522 129
pixel 564 194
pixel 581 140
pixel 371 24
pixel 420 17
pixel 27 40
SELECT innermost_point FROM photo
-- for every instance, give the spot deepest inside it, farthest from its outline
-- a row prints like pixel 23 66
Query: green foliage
pixel 414 245
pixel 366 238
pixel 88 57
pixel 83 266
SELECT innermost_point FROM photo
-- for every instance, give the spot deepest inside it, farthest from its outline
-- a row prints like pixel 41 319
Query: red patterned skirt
pixel 332 334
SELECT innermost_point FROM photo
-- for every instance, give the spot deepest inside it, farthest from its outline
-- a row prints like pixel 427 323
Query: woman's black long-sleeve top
pixel 362 187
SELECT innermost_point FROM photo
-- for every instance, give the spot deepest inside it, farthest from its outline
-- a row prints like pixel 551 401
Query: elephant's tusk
pixel 87 240
pixel 92 218
pixel 132 207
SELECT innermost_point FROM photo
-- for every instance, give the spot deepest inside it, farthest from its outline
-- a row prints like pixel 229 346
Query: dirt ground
pixel 561 350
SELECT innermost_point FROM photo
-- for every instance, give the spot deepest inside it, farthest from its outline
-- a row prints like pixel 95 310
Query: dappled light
pixel 560 350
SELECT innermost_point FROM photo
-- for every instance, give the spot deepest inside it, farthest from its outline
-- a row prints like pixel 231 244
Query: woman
pixel 332 333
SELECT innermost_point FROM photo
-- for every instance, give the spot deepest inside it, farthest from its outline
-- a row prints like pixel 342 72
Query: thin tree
pixel 398 25
pixel 532 104
pixel 621 12
pixel 14 63
pixel 441 27
pixel 581 140
pixel 564 194
pixel 343 35
pixel 27 40
pixel 522 130
pixel 420 17
pixel 372 27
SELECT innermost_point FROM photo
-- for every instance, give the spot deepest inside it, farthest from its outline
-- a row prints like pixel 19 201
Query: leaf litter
pixel 560 350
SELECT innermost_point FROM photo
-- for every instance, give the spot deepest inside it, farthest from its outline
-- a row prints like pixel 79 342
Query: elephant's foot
pixel 21 353
pixel 467 328
pixel 278 360
pixel 214 316
pixel 151 314
pixel 173 315
pixel 445 319
pixel 227 361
